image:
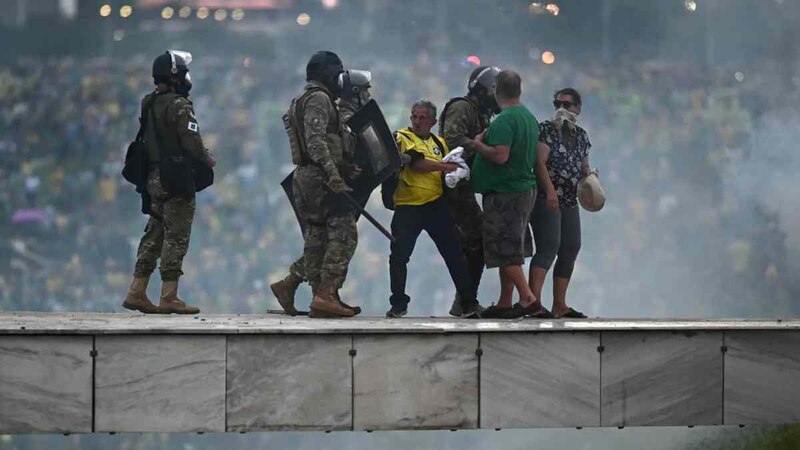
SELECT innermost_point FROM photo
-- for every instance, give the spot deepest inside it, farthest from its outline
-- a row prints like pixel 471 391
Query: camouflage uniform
pixel 461 121
pixel 346 111
pixel 505 227
pixel 331 237
pixel 169 228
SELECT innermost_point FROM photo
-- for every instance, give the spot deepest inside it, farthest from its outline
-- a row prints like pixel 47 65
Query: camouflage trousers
pixel 298 267
pixel 331 235
pixel 167 233
pixel 506 236
pixel 468 217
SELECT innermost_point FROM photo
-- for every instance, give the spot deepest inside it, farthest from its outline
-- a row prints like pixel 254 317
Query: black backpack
pixel 389 185
pixel 135 169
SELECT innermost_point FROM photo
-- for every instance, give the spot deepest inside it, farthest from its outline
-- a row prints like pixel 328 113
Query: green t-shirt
pixel 518 128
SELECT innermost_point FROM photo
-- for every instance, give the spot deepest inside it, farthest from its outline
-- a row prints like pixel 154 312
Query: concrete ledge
pixel 124 323
pixel 82 373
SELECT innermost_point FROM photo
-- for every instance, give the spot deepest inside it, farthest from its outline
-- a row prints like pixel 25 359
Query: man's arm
pixel 416 161
pixel 456 129
pixel 542 155
pixel 317 114
pixel 497 154
pixel 426 165
pixel 181 113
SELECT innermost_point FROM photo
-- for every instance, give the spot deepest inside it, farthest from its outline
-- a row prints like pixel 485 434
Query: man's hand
pixel 479 138
pixel 211 162
pixel 449 167
pixel 352 171
pixel 552 200
pixel 336 183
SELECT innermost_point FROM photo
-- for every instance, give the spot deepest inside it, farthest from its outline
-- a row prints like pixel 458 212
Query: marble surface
pixel 661 378
pixel 289 383
pixel 536 380
pixel 45 384
pixel 415 382
pixel 160 383
pixel 762 377
pixel 131 323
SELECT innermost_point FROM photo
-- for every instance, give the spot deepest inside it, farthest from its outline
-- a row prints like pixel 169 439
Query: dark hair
pixel 571 92
pixel 509 84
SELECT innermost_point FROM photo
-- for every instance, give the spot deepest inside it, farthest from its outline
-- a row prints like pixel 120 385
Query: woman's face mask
pixel 562 115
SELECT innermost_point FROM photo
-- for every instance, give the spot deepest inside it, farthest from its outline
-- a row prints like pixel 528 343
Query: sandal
pixel 537 311
pixel 572 314
pixel 493 312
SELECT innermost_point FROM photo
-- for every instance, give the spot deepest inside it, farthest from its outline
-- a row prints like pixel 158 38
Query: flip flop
pixel 572 314
pixel 493 312
pixel 515 312
pixel 537 311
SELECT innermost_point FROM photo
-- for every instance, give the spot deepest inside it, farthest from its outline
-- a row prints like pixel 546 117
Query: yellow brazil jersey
pixel 415 188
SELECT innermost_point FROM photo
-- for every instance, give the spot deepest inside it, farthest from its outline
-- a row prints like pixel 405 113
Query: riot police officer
pixel 316 133
pixel 177 165
pixel 354 85
pixel 461 120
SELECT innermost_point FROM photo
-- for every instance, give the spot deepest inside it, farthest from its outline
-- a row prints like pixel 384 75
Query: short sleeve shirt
pixel 518 129
pixel 564 164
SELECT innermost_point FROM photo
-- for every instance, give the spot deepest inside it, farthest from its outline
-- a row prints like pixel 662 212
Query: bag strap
pixel 438 143
pixel 151 120
pixel 447 107
pixel 144 116
pixel 435 138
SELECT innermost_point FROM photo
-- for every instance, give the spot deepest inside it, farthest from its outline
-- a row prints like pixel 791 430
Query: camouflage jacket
pixel 460 123
pixel 175 126
pixel 321 128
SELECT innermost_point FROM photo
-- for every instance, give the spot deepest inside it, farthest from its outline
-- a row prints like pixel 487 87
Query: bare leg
pixel 517 277
pixel 536 277
pixel 560 286
pixel 506 291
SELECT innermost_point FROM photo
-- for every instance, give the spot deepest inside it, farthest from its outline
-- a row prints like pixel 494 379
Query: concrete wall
pixel 256 382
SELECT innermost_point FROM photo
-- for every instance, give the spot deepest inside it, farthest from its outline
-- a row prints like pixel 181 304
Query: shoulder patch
pixel 193 126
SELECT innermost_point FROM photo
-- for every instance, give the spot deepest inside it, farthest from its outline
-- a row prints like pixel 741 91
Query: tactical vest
pixel 164 149
pixel 295 129
pixel 484 122
pixel 161 138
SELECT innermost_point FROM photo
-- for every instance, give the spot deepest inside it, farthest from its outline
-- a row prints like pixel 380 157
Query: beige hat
pixel 591 194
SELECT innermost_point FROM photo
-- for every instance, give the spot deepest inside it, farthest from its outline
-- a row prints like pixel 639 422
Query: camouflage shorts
pixel 506 237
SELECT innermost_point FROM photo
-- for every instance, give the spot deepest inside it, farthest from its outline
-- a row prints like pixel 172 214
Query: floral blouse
pixel 564 164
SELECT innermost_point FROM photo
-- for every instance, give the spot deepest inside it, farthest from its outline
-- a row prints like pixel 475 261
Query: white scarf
pixel 563 116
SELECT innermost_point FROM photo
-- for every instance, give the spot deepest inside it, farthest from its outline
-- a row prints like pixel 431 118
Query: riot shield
pixel 286 184
pixel 376 151
pixel 377 155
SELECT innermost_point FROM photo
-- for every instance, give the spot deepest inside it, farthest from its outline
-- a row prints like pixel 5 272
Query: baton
pixel 368 216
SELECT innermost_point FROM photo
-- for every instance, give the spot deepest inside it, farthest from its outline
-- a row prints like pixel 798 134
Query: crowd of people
pixel 664 136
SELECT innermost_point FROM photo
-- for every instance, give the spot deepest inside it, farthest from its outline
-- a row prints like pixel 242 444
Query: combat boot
pixel 325 304
pixel 356 309
pixel 284 291
pixel 170 303
pixel 137 297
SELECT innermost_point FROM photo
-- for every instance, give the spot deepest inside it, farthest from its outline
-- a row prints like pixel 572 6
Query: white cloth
pixel 456 156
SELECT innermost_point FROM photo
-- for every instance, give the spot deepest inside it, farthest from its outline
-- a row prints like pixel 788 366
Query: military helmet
pixel 171 62
pixel 483 76
pixel 324 66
